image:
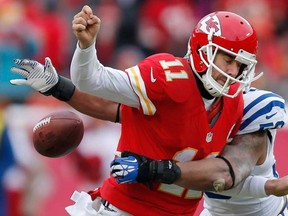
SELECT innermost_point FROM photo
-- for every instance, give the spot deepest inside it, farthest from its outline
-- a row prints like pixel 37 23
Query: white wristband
pixel 254 186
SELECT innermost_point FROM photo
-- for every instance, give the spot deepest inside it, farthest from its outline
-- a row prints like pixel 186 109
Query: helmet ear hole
pixel 241 69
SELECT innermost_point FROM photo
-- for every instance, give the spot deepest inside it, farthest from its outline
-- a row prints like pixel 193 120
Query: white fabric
pixel 270 212
pixel 84 206
pixel 112 84
pixel 89 75
pixel 253 186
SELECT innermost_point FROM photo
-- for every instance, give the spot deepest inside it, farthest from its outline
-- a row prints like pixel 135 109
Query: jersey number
pixel 185 155
pixel 170 75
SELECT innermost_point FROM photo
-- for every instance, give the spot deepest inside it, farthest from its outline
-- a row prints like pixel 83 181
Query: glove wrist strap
pixel 164 171
pixel 63 90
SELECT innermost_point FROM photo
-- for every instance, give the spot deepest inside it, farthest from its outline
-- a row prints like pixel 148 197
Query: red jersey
pixel 171 124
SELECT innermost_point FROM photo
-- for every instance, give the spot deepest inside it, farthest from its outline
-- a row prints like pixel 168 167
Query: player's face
pixel 226 63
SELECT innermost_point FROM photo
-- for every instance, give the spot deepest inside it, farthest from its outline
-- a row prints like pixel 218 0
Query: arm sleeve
pixel 252 186
pixel 90 76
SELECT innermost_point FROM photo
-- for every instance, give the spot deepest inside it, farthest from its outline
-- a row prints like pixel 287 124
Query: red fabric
pixel 14 199
pixel 94 193
pixel 214 109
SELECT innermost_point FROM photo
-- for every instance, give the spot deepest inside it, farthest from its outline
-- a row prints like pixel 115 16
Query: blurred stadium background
pixel 32 185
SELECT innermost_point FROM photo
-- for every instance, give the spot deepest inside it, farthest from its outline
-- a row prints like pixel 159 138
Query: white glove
pixel 40 77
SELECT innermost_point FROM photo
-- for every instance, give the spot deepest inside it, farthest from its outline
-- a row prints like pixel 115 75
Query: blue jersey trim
pixel 216 196
pixel 260 112
pixel 257 100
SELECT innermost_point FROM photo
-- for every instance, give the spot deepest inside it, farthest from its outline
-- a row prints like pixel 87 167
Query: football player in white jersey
pixel 264 111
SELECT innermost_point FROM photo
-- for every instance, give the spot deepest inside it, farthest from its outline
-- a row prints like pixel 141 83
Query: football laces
pixel 41 123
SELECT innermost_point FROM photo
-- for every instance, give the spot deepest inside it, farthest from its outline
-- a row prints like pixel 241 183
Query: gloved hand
pixel 40 77
pixel 43 78
pixel 131 168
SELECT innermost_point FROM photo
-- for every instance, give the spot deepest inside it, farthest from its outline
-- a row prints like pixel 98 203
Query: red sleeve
pixel 159 77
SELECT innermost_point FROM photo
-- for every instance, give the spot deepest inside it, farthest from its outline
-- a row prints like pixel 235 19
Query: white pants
pixel 284 209
pixel 205 212
pixel 84 206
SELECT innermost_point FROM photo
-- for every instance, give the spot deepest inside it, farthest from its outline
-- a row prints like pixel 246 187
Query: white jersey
pixel 263 110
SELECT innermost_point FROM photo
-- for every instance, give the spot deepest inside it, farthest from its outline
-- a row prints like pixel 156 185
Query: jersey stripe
pixel 256 101
pixel 263 108
pixel 139 88
pixel 266 109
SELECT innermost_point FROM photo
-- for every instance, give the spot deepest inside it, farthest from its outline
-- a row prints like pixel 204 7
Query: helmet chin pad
pixel 215 92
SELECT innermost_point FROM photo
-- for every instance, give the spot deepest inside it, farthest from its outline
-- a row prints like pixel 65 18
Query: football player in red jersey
pixel 166 105
pixel 199 175
pixel 166 101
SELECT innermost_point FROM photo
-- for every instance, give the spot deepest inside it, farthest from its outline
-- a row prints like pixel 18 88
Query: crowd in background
pixel 130 31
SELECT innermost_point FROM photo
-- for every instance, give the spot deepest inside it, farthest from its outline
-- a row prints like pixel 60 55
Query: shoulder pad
pixel 162 75
pixel 262 110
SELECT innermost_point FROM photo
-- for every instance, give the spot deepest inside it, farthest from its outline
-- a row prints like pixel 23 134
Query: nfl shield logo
pixel 209 137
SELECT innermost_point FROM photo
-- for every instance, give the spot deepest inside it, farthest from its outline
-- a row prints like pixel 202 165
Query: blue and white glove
pixel 43 78
pixel 131 168
pixel 125 169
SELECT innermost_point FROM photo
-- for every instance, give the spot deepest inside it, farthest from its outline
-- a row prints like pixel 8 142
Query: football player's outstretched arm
pixel 44 79
pixel 277 187
pixel 211 174
pixel 242 153
pixel 259 186
pixel 94 106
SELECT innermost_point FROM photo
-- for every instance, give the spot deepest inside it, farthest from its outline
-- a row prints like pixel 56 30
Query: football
pixel 58 134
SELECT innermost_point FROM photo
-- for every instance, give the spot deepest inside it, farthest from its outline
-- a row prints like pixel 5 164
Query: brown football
pixel 58 134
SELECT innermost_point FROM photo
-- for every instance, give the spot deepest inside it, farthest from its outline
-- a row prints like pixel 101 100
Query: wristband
pixel 232 174
pixel 254 186
pixel 63 90
pixel 164 171
pixel 117 120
